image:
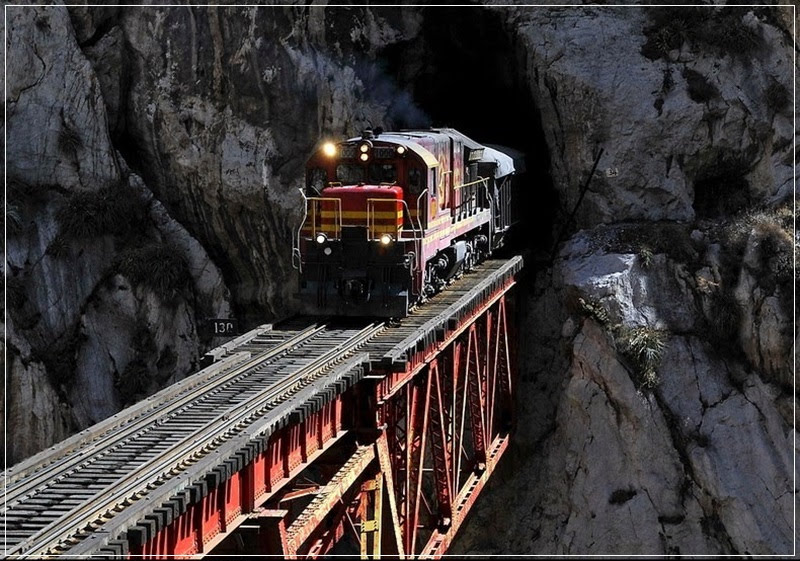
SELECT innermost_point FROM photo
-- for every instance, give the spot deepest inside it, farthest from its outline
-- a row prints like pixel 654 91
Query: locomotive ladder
pixel 300 439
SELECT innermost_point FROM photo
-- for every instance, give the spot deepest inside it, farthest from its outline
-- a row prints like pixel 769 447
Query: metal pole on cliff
pixel 568 221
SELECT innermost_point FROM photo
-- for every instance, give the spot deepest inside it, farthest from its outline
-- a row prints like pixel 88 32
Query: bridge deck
pixel 137 471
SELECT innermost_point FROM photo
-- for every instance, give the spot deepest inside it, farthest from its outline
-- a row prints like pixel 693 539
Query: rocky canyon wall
pixel 657 388
pixel 153 161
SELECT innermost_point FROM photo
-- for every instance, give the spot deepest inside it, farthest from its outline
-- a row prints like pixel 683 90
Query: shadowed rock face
pixel 154 157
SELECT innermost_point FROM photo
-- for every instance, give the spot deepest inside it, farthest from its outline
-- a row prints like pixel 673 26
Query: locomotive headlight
pixel 364 148
pixel 386 239
pixel 364 157
pixel 329 149
pixel 321 238
pixel 401 150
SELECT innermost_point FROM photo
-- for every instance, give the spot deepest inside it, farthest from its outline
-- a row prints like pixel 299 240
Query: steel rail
pixel 134 485
pixel 16 492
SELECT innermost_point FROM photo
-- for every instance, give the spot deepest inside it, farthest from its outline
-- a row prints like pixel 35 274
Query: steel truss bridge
pixel 300 439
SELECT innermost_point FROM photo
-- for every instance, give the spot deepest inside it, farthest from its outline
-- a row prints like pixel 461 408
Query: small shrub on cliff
pixel 644 347
pixel 720 30
pixel 21 204
pixel 117 211
pixel 771 232
pixel 648 240
pixel 594 310
pixel 645 256
pixel 724 318
pixel 58 247
pixel 768 232
pixel 157 267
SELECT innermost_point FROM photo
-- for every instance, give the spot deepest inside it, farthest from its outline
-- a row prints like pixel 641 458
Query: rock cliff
pixel 153 161
pixel 657 387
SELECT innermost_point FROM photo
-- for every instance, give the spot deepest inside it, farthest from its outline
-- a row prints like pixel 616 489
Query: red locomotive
pixel 392 217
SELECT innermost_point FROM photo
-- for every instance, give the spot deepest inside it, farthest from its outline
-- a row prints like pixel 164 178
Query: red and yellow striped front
pixel 379 209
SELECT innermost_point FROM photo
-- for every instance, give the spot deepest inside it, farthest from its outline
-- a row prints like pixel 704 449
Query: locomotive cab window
pixel 383 173
pixel 316 181
pixel 349 174
pixel 416 183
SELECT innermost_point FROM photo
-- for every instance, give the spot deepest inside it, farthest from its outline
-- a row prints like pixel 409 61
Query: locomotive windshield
pixel 349 174
pixel 382 173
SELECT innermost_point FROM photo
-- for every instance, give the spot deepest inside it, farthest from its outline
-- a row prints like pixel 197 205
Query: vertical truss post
pixel 385 464
pixel 503 360
pixel 416 439
pixel 439 444
pixel 460 399
pixel 370 514
pixel 476 396
pixel 490 376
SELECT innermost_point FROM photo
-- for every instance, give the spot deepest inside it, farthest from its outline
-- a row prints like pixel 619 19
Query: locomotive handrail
pixel 461 201
pixel 479 180
pixel 417 233
pixel 491 206
pixel 371 218
pixel 296 254
pixel 337 214
pixel 419 210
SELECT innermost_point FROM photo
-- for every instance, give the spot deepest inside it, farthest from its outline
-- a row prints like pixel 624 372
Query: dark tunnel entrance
pixel 465 70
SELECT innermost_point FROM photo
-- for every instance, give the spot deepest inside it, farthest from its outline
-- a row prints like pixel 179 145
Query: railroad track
pixel 65 500
pixel 58 497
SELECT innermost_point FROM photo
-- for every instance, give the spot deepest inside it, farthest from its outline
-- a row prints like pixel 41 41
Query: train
pixel 391 218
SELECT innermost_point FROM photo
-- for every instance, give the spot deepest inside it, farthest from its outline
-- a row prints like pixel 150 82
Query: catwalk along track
pixel 299 439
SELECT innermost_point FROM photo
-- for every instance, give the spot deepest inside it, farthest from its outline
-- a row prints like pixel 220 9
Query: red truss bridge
pixel 300 439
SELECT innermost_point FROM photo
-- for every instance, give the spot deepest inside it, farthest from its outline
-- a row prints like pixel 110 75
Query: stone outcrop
pixel 680 102
pixel 698 462
pixel 221 109
pixel 78 220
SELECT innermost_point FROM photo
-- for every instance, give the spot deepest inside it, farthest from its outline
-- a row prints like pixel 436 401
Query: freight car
pixel 390 218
